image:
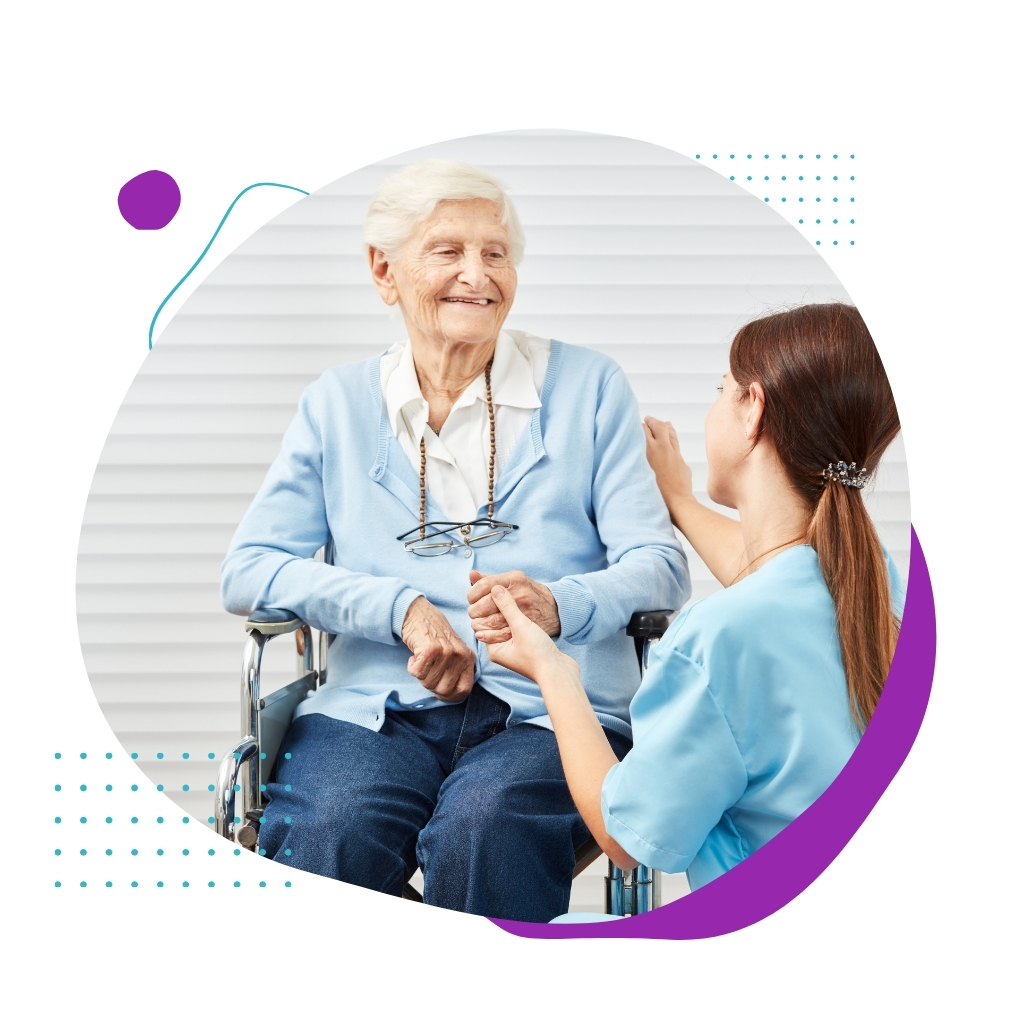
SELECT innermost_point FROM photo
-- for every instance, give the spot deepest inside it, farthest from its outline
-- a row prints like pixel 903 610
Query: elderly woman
pixel 464 457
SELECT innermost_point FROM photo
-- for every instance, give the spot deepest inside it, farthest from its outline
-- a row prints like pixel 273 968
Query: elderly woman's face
pixel 454 279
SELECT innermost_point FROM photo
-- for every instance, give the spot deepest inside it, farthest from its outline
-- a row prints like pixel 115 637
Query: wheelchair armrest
pixel 651 625
pixel 273 621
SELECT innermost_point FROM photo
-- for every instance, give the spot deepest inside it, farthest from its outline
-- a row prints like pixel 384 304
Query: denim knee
pixel 461 823
pixel 479 827
pixel 336 841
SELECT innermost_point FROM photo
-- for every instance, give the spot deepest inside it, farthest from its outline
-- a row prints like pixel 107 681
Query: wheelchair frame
pixel 244 770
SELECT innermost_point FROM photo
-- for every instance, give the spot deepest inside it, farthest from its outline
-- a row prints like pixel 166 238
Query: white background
pixel 918 917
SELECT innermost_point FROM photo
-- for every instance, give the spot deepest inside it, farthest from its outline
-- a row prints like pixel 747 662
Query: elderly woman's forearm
pixel 596 605
pixel 328 597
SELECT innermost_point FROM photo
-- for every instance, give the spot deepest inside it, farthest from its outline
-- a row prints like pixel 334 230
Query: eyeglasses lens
pixel 485 539
pixel 428 548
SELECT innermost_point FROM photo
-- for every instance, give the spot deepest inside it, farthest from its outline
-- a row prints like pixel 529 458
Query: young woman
pixel 756 697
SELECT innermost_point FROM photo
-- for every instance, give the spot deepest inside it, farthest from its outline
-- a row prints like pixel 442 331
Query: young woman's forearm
pixel 586 754
pixel 583 747
pixel 716 538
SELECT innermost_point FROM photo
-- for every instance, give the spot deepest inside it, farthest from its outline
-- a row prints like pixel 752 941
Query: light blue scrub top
pixel 741 723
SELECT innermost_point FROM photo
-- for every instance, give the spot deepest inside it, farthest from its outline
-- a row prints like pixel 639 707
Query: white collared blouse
pixel 458 456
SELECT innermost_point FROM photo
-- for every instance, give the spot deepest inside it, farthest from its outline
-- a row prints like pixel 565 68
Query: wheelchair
pixel 246 770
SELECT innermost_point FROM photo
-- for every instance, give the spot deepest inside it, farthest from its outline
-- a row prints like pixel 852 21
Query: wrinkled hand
pixel 440 660
pixel 674 476
pixel 527 650
pixel 533 599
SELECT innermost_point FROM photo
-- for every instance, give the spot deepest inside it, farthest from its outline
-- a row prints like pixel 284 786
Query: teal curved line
pixel 213 238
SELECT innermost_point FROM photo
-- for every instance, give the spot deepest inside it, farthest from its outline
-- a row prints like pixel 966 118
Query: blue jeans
pixel 482 809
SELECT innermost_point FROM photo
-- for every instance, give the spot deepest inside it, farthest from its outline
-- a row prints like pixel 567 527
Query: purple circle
pixel 149 201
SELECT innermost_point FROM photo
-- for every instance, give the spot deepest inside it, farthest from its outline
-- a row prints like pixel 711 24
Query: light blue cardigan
pixel 592 526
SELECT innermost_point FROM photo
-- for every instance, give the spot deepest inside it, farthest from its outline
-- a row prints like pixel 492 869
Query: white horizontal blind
pixel 631 249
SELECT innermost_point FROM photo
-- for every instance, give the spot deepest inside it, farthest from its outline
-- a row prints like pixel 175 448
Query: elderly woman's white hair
pixel 412 194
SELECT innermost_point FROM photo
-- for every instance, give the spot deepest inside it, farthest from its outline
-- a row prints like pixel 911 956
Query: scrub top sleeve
pixel 683 773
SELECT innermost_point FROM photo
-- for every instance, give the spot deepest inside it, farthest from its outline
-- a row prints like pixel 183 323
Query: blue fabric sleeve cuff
pixel 636 846
pixel 576 607
pixel 399 609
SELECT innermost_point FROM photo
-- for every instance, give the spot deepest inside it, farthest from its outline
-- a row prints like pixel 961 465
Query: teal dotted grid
pixel 92 839
pixel 815 185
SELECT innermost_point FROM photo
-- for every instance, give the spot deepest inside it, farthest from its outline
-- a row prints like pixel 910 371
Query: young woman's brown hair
pixel 828 401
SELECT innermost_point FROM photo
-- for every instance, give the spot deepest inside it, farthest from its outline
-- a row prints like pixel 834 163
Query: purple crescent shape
pixel 785 866
pixel 149 201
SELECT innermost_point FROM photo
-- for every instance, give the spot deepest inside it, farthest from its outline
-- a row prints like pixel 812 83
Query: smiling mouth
pixel 471 302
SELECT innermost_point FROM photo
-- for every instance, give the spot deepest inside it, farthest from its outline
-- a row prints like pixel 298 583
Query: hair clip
pixel 846 474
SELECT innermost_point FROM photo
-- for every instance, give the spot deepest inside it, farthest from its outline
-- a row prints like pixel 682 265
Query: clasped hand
pixel 440 659
pixel 533 599
pixel 522 646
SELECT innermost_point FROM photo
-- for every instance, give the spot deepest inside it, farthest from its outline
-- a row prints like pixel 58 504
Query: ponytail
pixel 853 566
pixel 828 401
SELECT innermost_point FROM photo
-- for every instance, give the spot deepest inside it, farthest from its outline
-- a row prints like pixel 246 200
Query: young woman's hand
pixel 674 476
pixel 530 651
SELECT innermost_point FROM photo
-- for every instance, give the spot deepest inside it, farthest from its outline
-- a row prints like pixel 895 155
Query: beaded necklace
pixel 465 530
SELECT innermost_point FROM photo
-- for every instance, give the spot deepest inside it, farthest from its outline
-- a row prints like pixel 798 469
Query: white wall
pixel 631 249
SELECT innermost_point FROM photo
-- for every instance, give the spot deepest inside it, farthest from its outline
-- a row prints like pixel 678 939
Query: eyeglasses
pixel 433 538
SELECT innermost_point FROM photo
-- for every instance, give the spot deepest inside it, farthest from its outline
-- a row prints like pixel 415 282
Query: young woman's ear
pixel 383 276
pixel 755 410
